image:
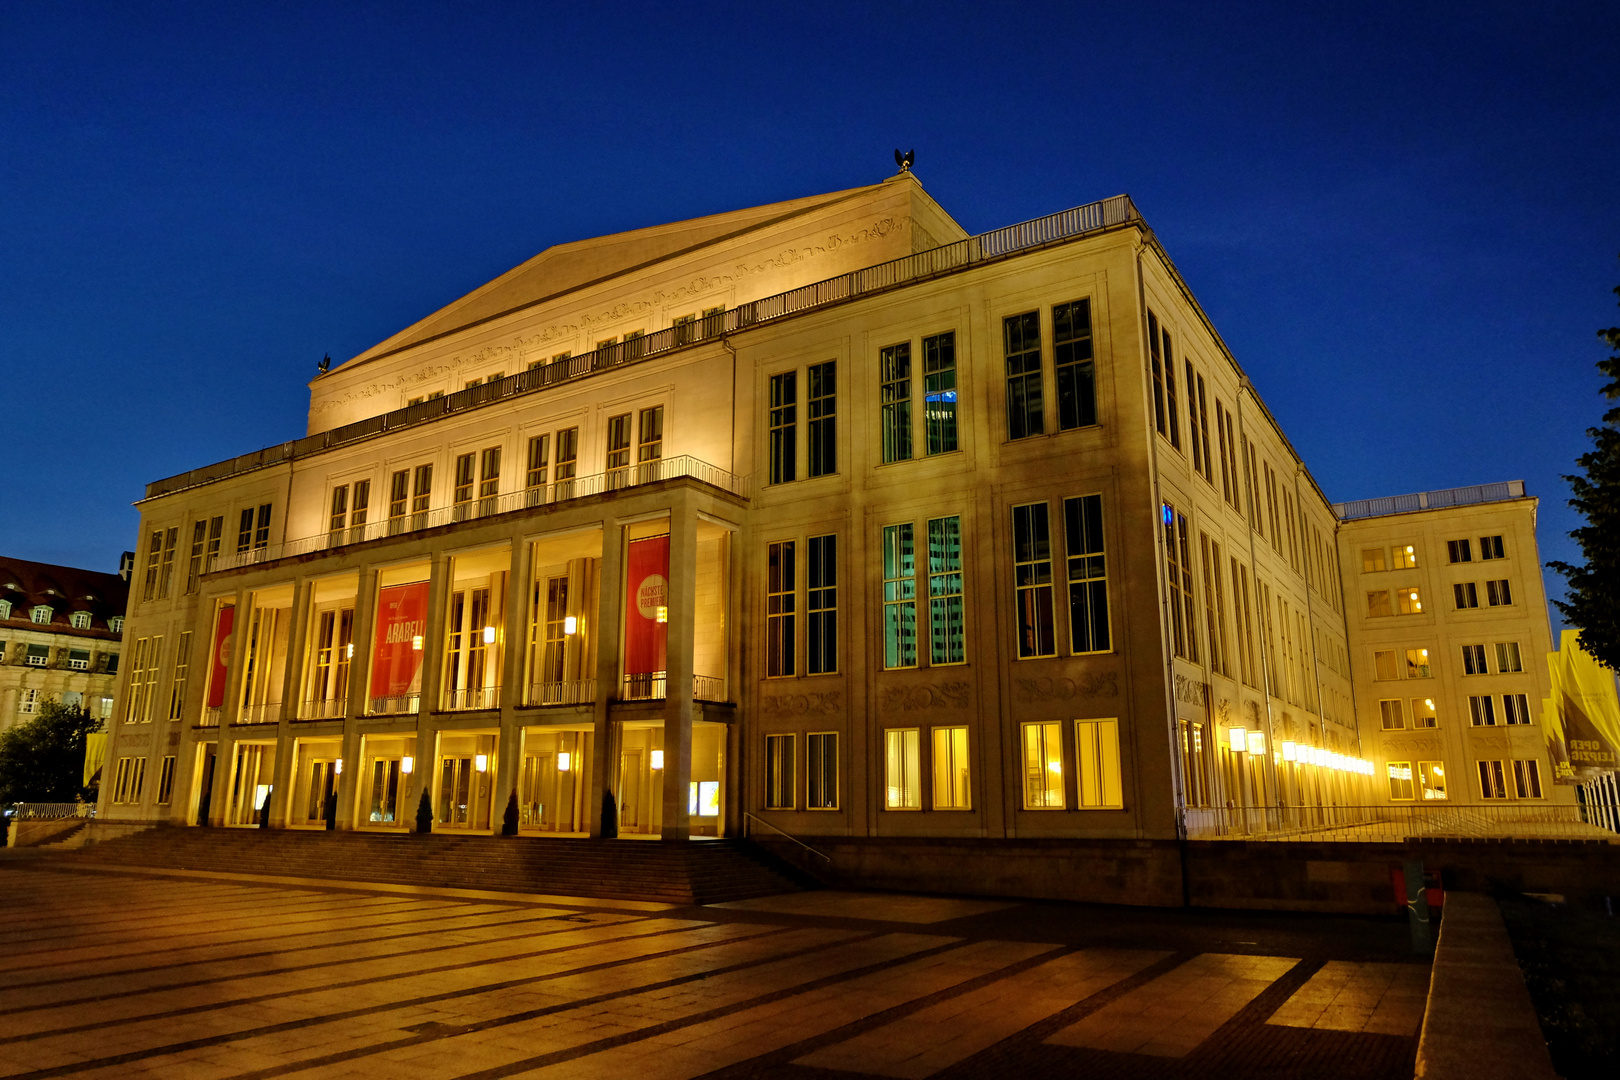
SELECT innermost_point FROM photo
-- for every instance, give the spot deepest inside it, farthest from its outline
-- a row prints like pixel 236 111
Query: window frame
pixel 1047 730
pixel 953 750
pixel 815 780
pixel 780 769
pixel 910 758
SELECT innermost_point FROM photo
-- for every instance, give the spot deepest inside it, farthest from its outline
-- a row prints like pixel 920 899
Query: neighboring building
pixel 1450 638
pixel 822 512
pixel 60 629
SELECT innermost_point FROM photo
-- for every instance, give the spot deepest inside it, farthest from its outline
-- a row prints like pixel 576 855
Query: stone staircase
pixel 696 872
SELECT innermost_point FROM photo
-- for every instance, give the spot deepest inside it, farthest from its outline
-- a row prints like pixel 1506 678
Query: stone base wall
pixel 1344 878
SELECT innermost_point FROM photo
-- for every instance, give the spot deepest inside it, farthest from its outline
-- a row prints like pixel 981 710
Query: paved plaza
pixel 110 973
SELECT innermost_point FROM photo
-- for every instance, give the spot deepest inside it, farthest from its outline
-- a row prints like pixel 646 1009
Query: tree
pixel 42 760
pixel 1593 604
pixel 424 813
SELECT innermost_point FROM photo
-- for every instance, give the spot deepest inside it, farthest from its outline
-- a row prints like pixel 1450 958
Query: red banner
pixel 646 614
pixel 220 667
pixel 396 656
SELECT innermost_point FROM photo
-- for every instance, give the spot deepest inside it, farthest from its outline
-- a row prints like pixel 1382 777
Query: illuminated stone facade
pixel 822 512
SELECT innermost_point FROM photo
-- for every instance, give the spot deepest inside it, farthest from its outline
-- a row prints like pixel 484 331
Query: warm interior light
pixel 1290 752
pixel 416 643
pixel 1409 549
pixel 570 624
pixel 406 764
pixel 1424 652
pixel 1429 702
pixel 349 650
pixel 663 613
pixel 1054 766
pixel 1240 740
pixel 489 635
pixel 1439 770
pixel 564 760
pixel 337 767
pixel 658 759
pixel 1257 742
pixel 481 762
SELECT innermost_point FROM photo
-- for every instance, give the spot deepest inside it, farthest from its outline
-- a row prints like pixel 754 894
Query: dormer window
pixel 41 613
pixel 80 620
pixel 116 624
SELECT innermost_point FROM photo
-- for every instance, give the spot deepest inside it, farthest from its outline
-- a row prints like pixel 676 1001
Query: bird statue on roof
pixel 905 160
pixel 326 362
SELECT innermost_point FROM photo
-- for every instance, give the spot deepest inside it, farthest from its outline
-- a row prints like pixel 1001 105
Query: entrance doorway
pixel 250 787
pixel 465 781
pixel 551 789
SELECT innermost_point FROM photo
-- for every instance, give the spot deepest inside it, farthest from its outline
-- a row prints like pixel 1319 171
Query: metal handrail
pixel 683 465
pixel 1066 225
pixel 51 810
pixel 1393 822
pixel 747 817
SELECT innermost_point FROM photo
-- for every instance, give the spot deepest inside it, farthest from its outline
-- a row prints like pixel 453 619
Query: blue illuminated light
pixel 1169 515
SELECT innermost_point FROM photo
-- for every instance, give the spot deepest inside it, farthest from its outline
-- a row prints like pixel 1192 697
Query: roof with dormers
pixel 64 589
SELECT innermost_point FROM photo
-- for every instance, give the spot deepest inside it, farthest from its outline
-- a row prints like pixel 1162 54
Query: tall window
pixel 1193 443
pixel 1097 753
pixel 534 476
pixel 1166 410
pixel 1474 660
pixel 1392 714
pixel 216 536
pixel 143 680
pixel 1432 779
pixel 165 791
pixel 1527 778
pixel 822 403
pixel 821 771
pixel 1032 580
pixel 1459 551
pixel 894 396
pixel 399 493
pixel 421 495
pixel 177 684
pixel 1043 766
pixel 902 779
pixel 244 533
pixel 779 772
pixel 821 605
pixel 1214 605
pixel 1481 710
pixel 945 591
pixel 1515 709
pixel 359 510
pixel 566 463
pixel 939 393
pixel 1071 357
pixel 1400 781
pixel 489 480
pixel 1492 782
pixel 1230 489
pixel 1178 575
pixel 649 443
pixel 261 529
pixel 1465 594
pixel 899 597
pixel 1245 620
pixel 1498 593
pixel 171 540
pixel 466 465
pixel 1490 547
pixel 1423 713
pixel 154 556
pixel 338 519
pixel 1088 575
pixel 1507 657
pixel 1021 336
pixel 618 450
pixel 784 427
pixel 1203 420
pixel 780 593
pixel 951 788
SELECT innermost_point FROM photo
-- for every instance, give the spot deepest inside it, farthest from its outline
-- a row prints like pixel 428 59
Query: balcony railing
pixel 999 243
pixel 267 713
pixel 1428 821
pixel 546 495
pixel 327 709
pixel 211 716
pixel 396 705
pixel 41 810
pixel 1430 500
pixel 472 697
pixel 651 687
pixel 566 692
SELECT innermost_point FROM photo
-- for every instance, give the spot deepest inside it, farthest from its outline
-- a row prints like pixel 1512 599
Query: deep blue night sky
pixel 1404 219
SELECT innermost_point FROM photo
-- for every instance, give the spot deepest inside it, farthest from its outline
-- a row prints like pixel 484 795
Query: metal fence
pixel 1430 821
pixel 999 243
pixel 45 810
pixel 1430 500
pixel 560 491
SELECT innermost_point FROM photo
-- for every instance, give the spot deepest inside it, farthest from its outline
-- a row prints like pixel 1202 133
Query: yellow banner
pixel 95 752
pixel 1581 720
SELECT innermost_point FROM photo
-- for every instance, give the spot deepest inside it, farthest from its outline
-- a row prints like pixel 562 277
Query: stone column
pixel 682 603
pixel 365 625
pixel 230 710
pixel 291 688
pixel 432 667
pixel 509 752
pixel 607 626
